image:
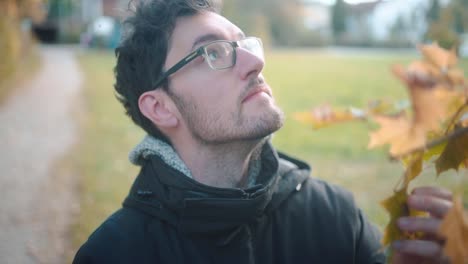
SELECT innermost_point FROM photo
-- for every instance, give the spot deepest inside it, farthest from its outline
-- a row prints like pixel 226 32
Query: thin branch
pixel 453 135
pixel 456 115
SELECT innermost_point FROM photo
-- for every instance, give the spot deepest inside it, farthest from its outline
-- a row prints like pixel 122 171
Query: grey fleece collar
pixel 151 146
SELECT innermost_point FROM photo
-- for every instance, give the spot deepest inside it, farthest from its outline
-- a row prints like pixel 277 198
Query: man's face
pixel 220 106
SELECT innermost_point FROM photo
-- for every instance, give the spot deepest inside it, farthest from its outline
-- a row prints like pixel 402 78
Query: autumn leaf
pixel 396 207
pixel 325 115
pixel 456 76
pixel 397 131
pixel 413 167
pixel 454 228
pixel 381 107
pixel 433 124
pixel 438 56
pixel 442 64
pixel 454 154
pixel 432 103
pixel 434 151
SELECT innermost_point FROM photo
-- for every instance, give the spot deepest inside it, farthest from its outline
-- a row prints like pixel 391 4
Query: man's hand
pixel 437 202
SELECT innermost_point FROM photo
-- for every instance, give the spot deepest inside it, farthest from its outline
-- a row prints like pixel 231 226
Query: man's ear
pixel 157 106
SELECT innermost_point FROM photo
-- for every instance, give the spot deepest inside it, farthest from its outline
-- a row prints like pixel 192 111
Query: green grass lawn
pixel 300 80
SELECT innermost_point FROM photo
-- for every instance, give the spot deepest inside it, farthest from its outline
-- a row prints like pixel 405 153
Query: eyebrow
pixel 212 37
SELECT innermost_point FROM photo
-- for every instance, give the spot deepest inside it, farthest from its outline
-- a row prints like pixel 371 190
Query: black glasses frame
pixel 200 52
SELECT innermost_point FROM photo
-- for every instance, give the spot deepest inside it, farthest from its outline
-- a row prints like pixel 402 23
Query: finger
pixel 402 258
pixel 433 191
pixel 428 225
pixel 435 206
pixel 420 248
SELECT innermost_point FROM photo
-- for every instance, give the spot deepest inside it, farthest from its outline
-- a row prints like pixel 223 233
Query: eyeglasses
pixel 219 54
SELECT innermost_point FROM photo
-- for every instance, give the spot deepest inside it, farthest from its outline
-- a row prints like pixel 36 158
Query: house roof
pixel 363 8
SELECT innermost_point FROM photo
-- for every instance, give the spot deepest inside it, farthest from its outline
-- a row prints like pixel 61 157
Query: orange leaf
pixel 438 56
pixel 432 103
pixel 456 76
pixel 324 115
pixel 399 132
pixel 454 228
pixel 454 154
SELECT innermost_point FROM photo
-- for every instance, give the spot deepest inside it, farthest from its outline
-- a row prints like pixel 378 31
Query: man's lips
pixel 253 92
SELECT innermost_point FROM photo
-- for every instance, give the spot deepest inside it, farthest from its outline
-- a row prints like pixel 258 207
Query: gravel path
pixel 36 130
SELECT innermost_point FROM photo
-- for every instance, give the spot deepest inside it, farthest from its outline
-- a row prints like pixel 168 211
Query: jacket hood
pixel 164 192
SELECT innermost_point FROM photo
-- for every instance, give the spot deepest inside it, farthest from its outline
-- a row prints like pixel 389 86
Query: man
pixel 212 189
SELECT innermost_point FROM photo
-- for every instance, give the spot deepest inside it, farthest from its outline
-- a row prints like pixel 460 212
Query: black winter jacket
pixel 287 217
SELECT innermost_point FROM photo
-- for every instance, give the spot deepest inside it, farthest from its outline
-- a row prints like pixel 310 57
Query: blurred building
pixel 74 21
pixel 317 17
pixel 379 22
pixel 91 9
pixel 360 21
pixel 102 22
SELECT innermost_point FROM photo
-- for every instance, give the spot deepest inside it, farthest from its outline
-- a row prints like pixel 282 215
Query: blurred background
pixel 58 111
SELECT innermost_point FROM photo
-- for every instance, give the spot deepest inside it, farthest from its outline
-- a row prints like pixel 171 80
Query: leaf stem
pixel 456 133
pixel 456 115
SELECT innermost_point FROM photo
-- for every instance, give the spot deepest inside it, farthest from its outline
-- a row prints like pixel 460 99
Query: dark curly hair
pixel 142 53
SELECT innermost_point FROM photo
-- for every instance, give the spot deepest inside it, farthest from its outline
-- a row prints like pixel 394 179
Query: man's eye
pixel 213 55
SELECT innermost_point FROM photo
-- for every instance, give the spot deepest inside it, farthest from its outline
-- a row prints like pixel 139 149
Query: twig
pixel 453 135
pixel 455 116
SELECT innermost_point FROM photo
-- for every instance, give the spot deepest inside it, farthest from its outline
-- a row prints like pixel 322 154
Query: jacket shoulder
pixel 119 239
pixel 333 209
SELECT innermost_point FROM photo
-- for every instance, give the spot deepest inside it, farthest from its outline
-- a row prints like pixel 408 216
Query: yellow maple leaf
pixel 454 228
pixel 396 207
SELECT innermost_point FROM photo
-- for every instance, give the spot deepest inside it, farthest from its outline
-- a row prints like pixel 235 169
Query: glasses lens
pixel 219 55
pixel 253 45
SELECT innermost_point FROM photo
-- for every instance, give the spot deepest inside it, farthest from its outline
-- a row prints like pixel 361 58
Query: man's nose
pixel 247 63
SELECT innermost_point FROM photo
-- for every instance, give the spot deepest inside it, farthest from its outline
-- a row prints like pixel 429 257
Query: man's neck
pixel 224 166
